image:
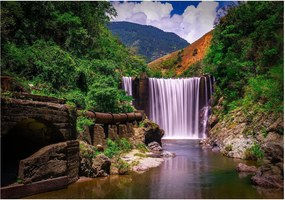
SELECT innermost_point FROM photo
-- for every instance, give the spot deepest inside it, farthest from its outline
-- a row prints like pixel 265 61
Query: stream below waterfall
pixel 193 173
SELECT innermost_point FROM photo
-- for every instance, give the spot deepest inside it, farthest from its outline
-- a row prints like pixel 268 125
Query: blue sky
pixel 188 19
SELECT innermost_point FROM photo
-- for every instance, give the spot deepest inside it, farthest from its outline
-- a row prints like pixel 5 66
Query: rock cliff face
pixel 253 136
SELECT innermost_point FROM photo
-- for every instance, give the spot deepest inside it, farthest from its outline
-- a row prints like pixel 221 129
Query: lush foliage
pixel 81 122
pixel 254 153
pixel 246 57
pixel 64 49
pixel 117 147
pixel 142 147
pixel 88 151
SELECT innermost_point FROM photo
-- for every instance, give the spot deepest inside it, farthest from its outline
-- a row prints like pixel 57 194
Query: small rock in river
pixel 154 146
pixel 245 168
pixel 216 148
pixel 167 154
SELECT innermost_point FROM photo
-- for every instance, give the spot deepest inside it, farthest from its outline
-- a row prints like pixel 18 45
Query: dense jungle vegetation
pixel 246 57
pixel 64 49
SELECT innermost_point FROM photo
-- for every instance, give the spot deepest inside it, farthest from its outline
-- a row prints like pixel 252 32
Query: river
pixel 194 173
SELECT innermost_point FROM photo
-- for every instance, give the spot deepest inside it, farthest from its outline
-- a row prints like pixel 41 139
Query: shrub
pixel 81 122
pixel 229 147
pixel 254 153
pixel 125 145
pixel 123 166
pixel 117 147
pixel 88 151
pixel 142 147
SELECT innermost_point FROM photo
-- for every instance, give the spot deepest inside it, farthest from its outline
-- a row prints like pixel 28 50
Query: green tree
pixel 246 50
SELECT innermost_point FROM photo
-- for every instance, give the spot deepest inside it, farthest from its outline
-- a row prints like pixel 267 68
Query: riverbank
pixel 194 173
pixel 250 135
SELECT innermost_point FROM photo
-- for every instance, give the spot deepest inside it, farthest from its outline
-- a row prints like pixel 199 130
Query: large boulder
pixel 273 152
pixel 92 165
pixel 154 146
pixel 101 165
pixel 48 162
pixel 96 167
pixel 271 173
pixel 268 181
pixel 245 168
pixel 146 133
pixel 152 132
pixel 236 147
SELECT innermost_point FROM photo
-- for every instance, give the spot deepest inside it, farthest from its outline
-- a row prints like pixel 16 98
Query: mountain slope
pixel 149 41
pixel 180 61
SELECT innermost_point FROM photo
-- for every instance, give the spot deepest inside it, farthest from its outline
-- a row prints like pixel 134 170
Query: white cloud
pixel 191 25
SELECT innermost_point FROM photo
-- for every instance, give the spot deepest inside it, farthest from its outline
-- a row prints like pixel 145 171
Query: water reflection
pixel 193 173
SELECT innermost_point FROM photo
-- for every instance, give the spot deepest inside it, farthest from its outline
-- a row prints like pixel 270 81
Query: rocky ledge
pixel 136 160
pixel 147 153
pixel 250 136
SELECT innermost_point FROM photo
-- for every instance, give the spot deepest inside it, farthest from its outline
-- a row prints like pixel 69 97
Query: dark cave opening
pixel 23 140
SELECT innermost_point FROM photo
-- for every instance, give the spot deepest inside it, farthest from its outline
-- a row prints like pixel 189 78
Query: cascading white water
pixel 174 105
pixel 127 85
pixel 206 107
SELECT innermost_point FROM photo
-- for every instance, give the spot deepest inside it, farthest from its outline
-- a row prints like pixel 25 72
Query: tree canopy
pixel 65 50
pixel 246 57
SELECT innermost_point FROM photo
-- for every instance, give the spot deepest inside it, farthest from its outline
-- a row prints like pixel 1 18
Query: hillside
pixel 148 41
pixel 179 61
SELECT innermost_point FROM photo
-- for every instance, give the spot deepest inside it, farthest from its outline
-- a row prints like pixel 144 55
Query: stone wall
pixel 113 131
pixel 60 116
pixel 140 93
pixel 52 161
pixel 72 159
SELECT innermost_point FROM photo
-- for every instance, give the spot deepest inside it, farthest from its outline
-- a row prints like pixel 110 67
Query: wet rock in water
pixel 154 146
pixel 168 154
pixel 101 165
pixel 245 168
pixel 268 181
pixel 270 174
pixel 152 132
pixel 216 148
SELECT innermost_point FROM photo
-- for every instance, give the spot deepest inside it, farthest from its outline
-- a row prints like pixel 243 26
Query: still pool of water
pixel 193 173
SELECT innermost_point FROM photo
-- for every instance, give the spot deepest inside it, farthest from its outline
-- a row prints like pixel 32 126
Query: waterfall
pixel 205 106
pixel 181 107
pixel 174 105
pixel 127 85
